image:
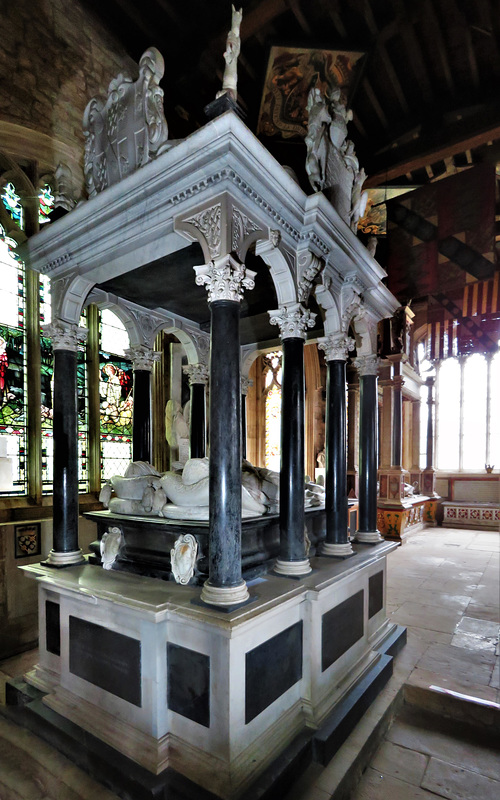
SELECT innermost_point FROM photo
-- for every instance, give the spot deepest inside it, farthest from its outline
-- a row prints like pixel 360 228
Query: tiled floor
pixel 443 584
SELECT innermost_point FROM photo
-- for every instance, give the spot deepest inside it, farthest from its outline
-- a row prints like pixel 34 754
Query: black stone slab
pixel 350 709
pixel 341 628
pixel 272 668
pixel 394 642
pixel 375 593
pixel 188 683
pixel 106 659
pixel 52 627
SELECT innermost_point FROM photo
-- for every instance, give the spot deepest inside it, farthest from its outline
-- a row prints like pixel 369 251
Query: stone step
pixel 30 769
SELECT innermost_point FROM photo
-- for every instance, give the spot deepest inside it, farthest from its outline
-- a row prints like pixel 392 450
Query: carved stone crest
pixel 111 542
pixel 183 558
pixel 127 129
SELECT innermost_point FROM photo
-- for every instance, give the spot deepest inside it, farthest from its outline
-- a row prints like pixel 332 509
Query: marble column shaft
pixel 430 424
pixel 367 527
pixel 197 424
pixel 397 422
pixel 65 338
pixel 141 416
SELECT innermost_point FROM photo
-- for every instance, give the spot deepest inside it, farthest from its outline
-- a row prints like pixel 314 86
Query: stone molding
pixel 309 267
pixel 293 320
pixel 336 346
pixel 65 335
pixel 367 365
pixel 225 279
pixel 196 373
pixel 142 357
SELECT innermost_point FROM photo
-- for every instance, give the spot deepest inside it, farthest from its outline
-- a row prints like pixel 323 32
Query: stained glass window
pixel 272 383
pixel 12 203
pixel 115 389
pixel 13 394
pixel 46 199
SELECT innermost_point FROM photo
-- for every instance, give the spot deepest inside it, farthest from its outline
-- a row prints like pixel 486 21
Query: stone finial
pixel 293 320
pixel 127 129
pixel 231 53
pixel 65 335
pixel 196 373
pixel 367 365
pixel 142 357
pixel 336 346
pixel 225 279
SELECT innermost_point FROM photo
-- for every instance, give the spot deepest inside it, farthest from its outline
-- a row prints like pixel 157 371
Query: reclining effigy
pixel 144 491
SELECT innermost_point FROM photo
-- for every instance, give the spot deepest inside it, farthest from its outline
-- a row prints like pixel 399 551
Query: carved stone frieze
pixel 127 129
pixel 142 357
pixel 336 346
pixel 293 320
pixel 367 365
pixel 208 222
pixel 196 373
pixel 65 335
pixel 309 266
pixel 225 279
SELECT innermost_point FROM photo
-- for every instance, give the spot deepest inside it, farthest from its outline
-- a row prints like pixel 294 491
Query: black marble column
pixel 243 425
pixel 397 421
pixel 197 423
pixel 141 420
pixel 336 506
pixel 65 551
pixel 367 525
pixel 430 424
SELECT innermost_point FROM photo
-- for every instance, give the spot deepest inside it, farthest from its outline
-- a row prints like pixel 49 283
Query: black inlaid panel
pixel 105 658
pixel 272 668
pixel 52 628
pixel 188 683
pixel 341 628
pixel 375 593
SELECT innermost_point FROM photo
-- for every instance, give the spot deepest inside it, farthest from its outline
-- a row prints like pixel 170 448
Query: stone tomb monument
pixel 187 690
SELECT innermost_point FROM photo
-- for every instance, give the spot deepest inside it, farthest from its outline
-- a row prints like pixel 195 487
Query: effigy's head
pixel 195 470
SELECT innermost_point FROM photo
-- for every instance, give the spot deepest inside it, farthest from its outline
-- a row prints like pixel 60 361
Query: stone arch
pixel 330 304
pixel 281 272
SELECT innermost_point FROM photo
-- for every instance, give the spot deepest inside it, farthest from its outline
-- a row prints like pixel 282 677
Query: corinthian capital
pixel 336 346
pixel 142 357
pixel 65 335
pixel 367 365
pixel 225 279
pixel 197 373
pixel 293 319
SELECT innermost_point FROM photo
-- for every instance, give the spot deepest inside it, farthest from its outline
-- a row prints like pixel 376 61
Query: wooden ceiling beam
pixel 375 103
pixel 463 25
pixel 434 25
pixel 414 51
pixel 430 156
pixel 333 10
pixel 297 13
pixel 384 55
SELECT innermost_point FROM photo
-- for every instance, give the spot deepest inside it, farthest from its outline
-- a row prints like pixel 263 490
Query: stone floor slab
pixel 457 783
pixel 421 615
pixel 377 786
pixel 459 662
pixel 407 765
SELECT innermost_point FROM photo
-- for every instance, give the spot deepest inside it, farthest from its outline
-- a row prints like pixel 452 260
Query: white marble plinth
pixel 230 739
pixel 337 550
pixel 369 537
pixel 292 568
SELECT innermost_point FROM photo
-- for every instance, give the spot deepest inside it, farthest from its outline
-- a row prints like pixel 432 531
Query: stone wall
pixel 54 56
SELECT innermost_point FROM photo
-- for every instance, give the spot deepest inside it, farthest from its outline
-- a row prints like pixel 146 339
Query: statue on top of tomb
pixel 231 53
pixel 331 162
pixel 126 129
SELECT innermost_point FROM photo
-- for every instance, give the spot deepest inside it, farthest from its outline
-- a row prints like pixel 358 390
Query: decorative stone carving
pixel 127 129
pixel 331 163
pixel 309 266
pixel 275 238
pixel 293 320
pixel 197 373
pixel 336 346
pixel 65 335
pixel 231 53
pixel 350 302
pixel 142 357
pixel 242 226
pixel 367 365
pixel 245 385
pixel 111 543
pixel 183 558
pixel 208 222
pixel 225 279
pixel 64 195
pixel 147 323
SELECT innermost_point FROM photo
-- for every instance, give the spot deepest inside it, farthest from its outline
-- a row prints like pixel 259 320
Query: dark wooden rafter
pixel 414 49
pixel 379 46
pixel 333 9
pixel 463 26
pixel 299 16
pixel 372 97
pixel 434 26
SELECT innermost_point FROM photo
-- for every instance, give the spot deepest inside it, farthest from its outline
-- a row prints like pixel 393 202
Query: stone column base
pixel 224 595
pixel 292 568
pixel 339 550
pixel 71 559
pixel 369 537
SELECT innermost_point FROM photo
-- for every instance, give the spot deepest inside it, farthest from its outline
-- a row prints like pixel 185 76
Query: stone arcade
pixel 214 688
